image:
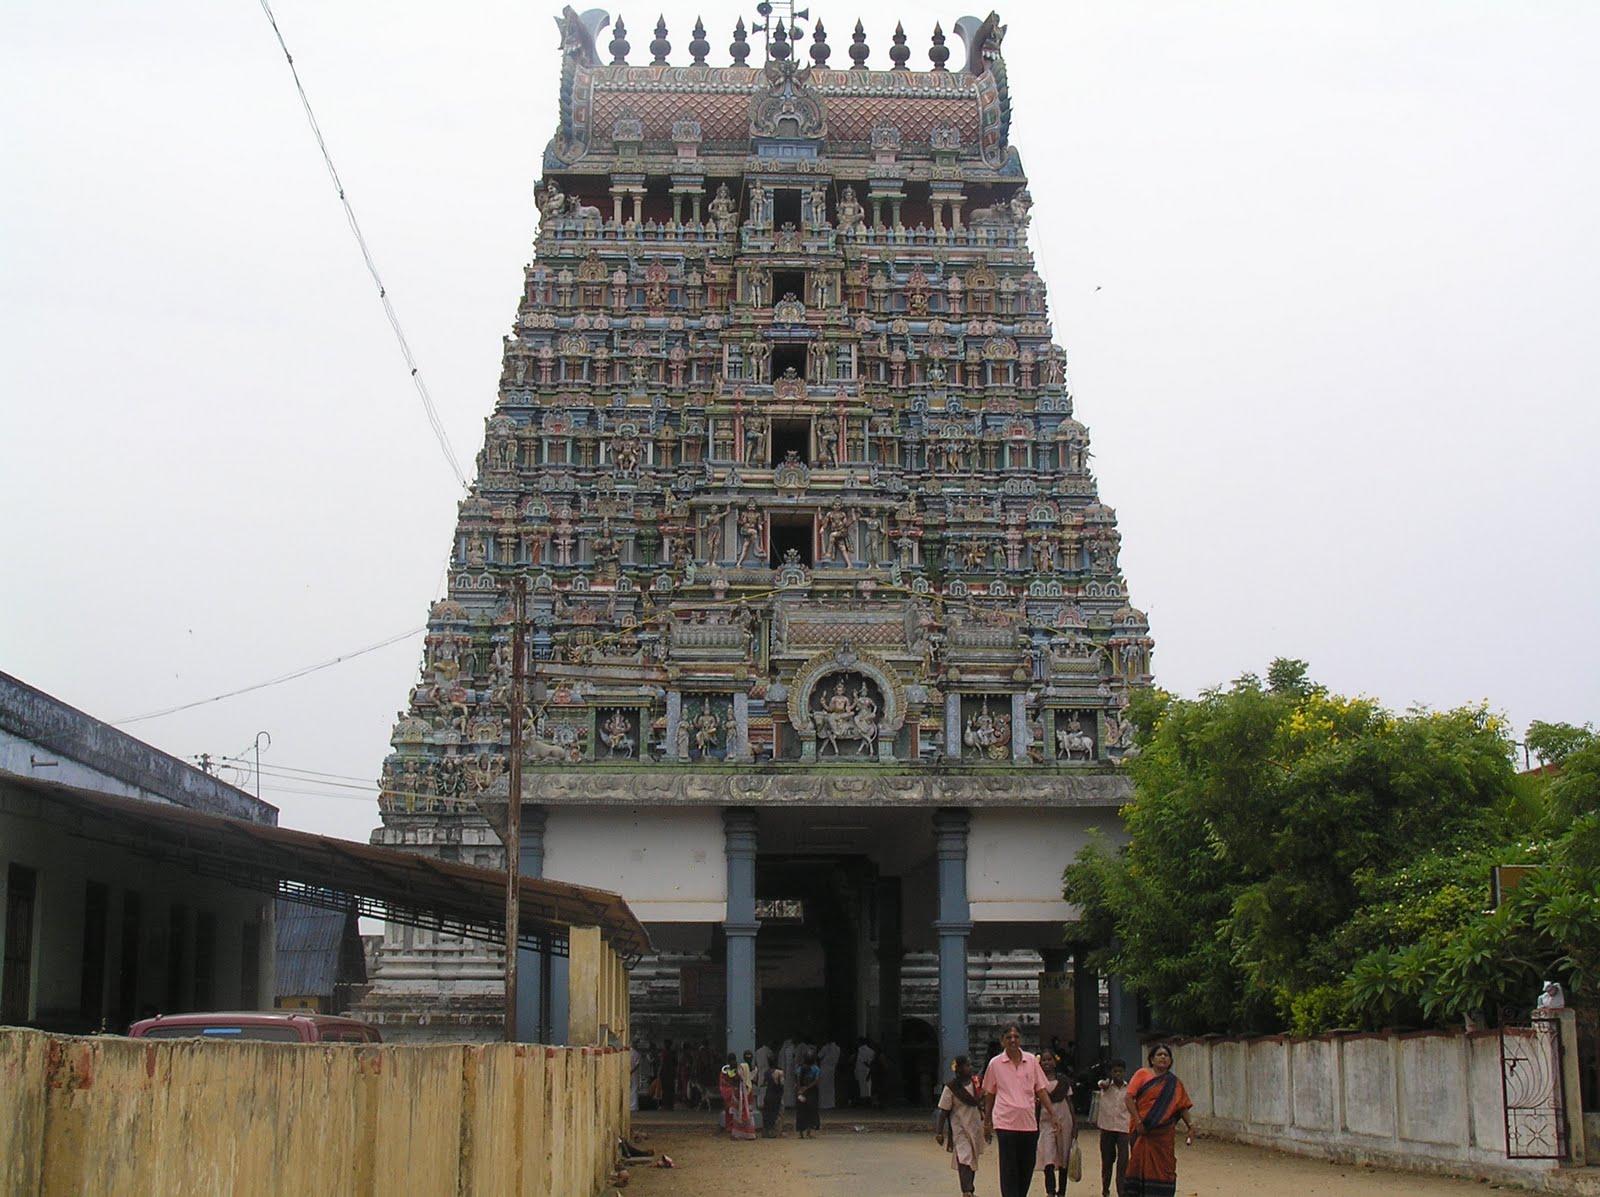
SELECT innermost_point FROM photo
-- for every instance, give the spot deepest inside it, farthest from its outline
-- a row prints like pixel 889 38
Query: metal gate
pixel 1531 1082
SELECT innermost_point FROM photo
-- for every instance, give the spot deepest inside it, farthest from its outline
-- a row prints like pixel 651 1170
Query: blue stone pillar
pixel 1124 1022
pixel 739 927
pixel 953 926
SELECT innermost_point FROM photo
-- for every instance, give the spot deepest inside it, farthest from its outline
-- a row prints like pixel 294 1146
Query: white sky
pixel 1325 273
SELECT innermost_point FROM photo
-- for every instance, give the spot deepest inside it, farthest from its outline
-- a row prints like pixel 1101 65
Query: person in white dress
pixel 828 1061
pixel 1056 1134
pixel 960 1127
pixel 863 1069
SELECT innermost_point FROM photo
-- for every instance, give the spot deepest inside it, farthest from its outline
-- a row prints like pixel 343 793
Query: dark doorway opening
pixel 21 893
pixel 808 968
pixel 786 283
pixel 786 357
pixel 785 208
pixel 791 436
pixel 791 531
pixel 131 935
pixel 96 936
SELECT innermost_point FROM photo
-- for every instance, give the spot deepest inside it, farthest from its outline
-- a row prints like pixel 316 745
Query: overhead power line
pixel 287 677
pixel 372 267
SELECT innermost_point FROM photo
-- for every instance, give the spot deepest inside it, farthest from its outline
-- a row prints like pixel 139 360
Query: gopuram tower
pixel 827 643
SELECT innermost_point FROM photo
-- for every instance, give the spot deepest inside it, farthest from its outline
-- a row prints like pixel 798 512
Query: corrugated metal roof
pixel 396 886
pixel 310 944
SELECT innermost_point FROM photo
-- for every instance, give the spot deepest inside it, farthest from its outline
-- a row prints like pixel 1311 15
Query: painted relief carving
pixel 783 452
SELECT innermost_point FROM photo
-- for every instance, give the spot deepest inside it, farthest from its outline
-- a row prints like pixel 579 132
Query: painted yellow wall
pixel 113 1116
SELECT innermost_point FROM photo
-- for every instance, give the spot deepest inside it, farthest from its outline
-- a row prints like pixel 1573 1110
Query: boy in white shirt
pixel 1112 1119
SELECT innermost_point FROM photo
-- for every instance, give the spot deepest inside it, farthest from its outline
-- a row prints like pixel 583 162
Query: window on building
pixel 205 960
pixel 789 282
pixel 791 436
pixel 96 936
pixel 785 210
pixel 250 967
pixel 178 958
pixel 791 530
pixel 786 356
pixel 130 934
pixel 16 981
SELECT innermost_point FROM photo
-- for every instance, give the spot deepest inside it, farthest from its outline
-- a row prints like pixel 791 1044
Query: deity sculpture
pixel 552 201
pixel 707 729
pixel 1071 742
pixel 835 526
pixel 851 213
pixel 750 524
pixel 724 212
pixel 616 733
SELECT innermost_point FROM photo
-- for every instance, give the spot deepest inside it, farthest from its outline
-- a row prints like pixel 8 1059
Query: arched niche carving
pixel 823 667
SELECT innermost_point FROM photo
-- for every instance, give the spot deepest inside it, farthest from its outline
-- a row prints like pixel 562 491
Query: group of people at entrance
pixel 799 1077
pixel 1022 1103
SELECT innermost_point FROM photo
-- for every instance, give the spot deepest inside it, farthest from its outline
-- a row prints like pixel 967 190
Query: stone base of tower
pixel 430 986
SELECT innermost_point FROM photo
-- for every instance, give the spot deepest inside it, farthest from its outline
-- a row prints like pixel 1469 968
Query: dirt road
pixel 843 1163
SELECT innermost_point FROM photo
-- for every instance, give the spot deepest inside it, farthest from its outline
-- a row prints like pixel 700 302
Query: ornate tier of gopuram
pixel 827 642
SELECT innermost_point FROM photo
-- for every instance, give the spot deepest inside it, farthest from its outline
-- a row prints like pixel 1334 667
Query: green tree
pixel 1554 742
pixel 1273 830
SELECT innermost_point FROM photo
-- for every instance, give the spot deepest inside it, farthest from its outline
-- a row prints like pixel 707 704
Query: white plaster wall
pixel 1368 1077
pixel 1488 1096
pixel 1312 1062
pixel 1431 1066
pixel 1269 1065
pixel 1338 1099
pixel 670 864
pixel 1230 1085
pixel 1192 1062
pixel 65 864
pixel 1015 859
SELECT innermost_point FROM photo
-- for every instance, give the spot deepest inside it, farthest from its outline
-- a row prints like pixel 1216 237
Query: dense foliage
pixel 1299 860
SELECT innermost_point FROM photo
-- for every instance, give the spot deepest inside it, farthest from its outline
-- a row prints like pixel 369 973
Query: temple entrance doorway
pixel 809 950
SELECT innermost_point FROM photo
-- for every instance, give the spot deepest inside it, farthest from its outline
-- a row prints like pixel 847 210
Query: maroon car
pixel 280 1026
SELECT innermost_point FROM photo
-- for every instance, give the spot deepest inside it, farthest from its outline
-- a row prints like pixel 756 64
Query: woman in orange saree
pixel 1157 1102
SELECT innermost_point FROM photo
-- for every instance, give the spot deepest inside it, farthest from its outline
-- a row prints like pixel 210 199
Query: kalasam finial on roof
pixel 858 49
pixel 899 53
pixel 740 49
pixel 619 44
pixel 698 46
pixel 819 46
pixel 660 47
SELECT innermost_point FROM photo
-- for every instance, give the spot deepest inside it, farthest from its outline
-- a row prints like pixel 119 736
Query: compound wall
pixel 108 1116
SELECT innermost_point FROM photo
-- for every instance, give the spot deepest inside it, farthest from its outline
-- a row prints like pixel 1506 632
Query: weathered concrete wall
pixel 111 1116
pixel 82 751
pixel 65 864
pixel 1431 1101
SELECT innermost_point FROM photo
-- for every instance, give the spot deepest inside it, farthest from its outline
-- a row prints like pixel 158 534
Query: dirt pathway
pixel 843 1163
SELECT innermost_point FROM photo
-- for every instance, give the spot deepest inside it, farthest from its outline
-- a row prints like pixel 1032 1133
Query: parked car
pixel 281 1026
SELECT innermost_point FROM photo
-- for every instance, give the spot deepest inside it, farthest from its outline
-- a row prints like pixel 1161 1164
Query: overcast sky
pixel 1325 274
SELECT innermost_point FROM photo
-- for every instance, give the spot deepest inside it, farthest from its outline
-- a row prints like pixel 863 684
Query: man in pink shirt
pixel 1012 1084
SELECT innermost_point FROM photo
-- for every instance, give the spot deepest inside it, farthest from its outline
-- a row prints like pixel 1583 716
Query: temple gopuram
pixel 827 647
